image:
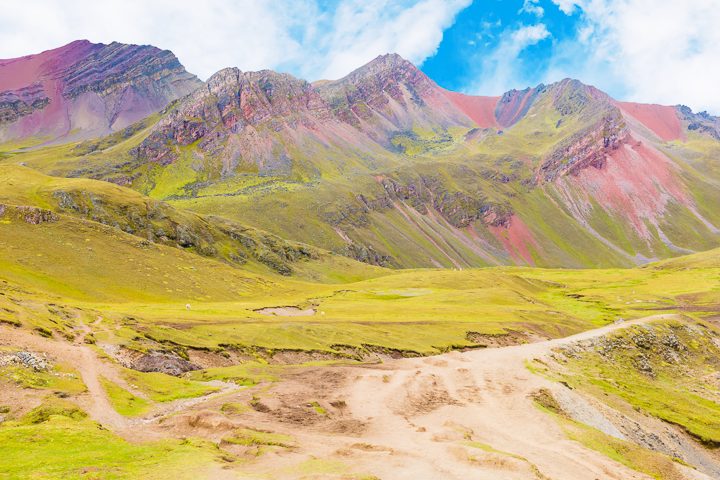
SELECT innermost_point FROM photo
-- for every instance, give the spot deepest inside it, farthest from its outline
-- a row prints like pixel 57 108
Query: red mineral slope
pixel 517 239
pixel 637 182
pixel 480 109
pixel 662 120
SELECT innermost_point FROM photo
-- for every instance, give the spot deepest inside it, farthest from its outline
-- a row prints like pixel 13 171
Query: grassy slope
pixel 306 204
pixel 73 449
pixel 91 269
pixel 665 369
pixel 208 236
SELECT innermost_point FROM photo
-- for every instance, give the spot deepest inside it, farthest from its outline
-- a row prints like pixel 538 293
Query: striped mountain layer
pixel 387 167
pixel 85 90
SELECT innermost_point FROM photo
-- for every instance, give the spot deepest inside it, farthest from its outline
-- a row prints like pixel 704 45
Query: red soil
pixel 637 182
pixel 516 239
pixel 515 107
pixel 662 120
pixel 481 110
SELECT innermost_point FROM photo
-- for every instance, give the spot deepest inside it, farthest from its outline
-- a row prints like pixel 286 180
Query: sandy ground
pixel 461 415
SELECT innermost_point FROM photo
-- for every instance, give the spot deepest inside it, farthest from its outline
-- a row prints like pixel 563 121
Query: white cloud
pixel 499 71
pixel 292 35
pixel 659 51
pixel 532 7
pixel 362 29
pixel 567 6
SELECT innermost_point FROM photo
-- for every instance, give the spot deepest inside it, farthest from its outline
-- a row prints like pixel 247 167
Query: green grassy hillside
pixel 559 188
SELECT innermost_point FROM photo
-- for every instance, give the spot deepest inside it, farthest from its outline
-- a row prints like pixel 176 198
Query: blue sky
pixel 461 61
pixel 654 51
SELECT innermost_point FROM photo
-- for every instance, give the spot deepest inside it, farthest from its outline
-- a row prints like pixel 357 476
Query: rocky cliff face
pixel 239 117
pixel 390 94
pixel 264 120
pixel 701 122
pixel 589 147
pixel 83 90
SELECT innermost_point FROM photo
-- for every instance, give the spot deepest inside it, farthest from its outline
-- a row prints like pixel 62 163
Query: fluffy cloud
pixel 532 7
pixel 311 38
pixel 362 29
pixel 662 52
pixel 499 71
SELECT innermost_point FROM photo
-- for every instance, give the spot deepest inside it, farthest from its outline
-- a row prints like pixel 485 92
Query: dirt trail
pixel 85 361
pixel 91 368
pixel 425 407
pixel 459 415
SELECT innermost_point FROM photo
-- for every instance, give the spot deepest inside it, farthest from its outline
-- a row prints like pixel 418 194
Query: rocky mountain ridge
pixel 384 158
pixel 82 90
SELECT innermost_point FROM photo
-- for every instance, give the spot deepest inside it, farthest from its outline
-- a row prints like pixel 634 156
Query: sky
pixel 654 51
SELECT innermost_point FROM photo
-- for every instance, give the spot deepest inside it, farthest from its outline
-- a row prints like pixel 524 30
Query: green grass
pixel 256 438
pixel 65 449
pixel 52 408
pixel 245 374
pixel 668 382
pixel 59 379
pixel 124 402
pixel 160 387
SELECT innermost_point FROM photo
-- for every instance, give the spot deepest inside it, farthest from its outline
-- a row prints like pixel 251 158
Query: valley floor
pixel 476 414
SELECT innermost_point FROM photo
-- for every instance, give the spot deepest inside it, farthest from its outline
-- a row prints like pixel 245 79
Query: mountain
pixel 84 90
pixel 387 167
pixel 176 297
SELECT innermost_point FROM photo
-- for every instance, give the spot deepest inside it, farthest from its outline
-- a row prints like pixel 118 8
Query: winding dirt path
pixel 95 402
pixel 426 407
pixel 461 415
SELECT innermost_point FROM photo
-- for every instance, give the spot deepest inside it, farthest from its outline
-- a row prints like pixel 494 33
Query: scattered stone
pixel 164 363
pixel 26 359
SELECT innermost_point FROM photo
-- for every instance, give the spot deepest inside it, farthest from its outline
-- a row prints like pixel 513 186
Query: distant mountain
pixel 84 90
pixel 387 167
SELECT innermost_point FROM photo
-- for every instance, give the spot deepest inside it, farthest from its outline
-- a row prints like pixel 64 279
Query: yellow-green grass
pixel 160 387
pixel 246 374
pixel 156 292
pixel 68 449
pixel 146 288
pixel 59 378
pixel 668 376
pixel 124 402
pixel 127 210
pixel 257 438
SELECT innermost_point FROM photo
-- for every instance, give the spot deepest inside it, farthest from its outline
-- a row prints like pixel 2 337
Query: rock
pixel 586 148
pixel 123 83
pixel 163 363
pixel 26 359
pixel 30 215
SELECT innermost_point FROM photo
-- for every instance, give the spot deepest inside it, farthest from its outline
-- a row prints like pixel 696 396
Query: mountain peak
pixel 83 89
pixel 389 62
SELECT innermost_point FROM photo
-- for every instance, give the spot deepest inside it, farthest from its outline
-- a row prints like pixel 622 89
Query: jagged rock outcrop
pixel 458 208
pixel 390 94
pixel 586 148
pixel 160 223
pixel 239 118
pixel 84 89
pixel 701 122
pixel 28 214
